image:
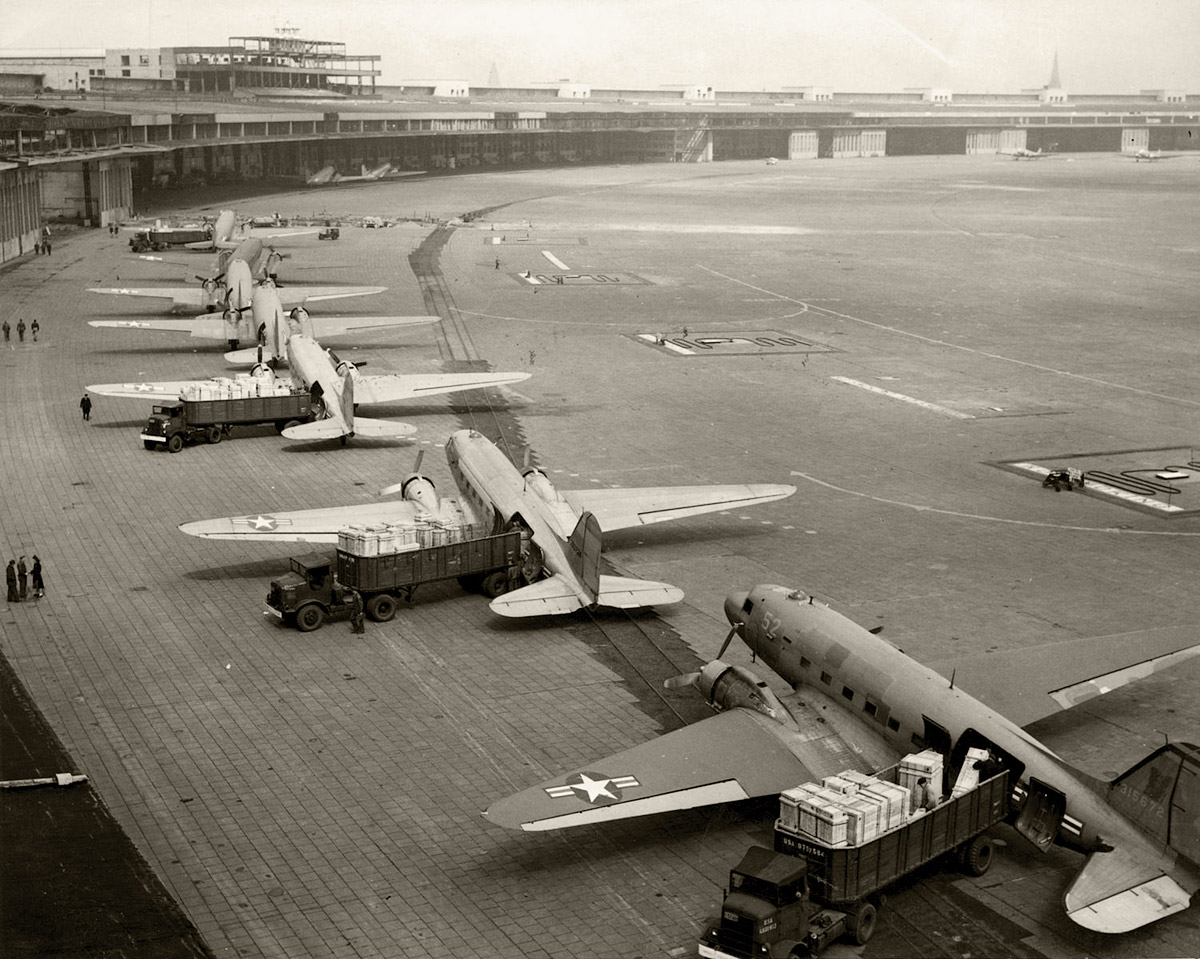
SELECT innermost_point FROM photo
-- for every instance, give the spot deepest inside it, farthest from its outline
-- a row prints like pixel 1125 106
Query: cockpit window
pixel 748 605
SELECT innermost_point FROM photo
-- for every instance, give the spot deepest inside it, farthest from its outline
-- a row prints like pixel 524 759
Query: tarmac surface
pixel 913 327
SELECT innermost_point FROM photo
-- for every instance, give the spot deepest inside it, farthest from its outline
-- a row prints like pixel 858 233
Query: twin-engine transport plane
pixel 861 703
pixel 337 388
pixel 564 528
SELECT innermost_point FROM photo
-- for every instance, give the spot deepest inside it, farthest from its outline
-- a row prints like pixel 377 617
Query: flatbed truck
pixel 798 898
pixel 191 421
pixel 317 587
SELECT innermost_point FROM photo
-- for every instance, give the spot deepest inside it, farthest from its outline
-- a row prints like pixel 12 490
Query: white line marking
pixel 932 407
pixel 1109 490
pixel 555 260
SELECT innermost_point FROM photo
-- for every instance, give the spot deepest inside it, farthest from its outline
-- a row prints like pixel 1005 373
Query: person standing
pixel 356 612
pixel 10 577
pixel 33 328
pixel 85 404
pixel 39 585
pixel 7 330
pixel 21 330
pixel 22 579
pixel 46 246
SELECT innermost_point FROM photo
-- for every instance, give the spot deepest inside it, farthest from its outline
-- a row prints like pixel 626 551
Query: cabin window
pixel 918 741
pixel 894 725
pixel 748 605
pixel 847 692
pixel 870 708
pixel 826 678
pixel 805 662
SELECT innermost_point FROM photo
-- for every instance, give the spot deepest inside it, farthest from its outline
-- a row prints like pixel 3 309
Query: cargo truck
pixel 317 586
pixel 189 421
pixel 798 898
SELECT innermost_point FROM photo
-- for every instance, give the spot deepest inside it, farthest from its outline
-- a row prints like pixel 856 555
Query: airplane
pixel 562 529
pixel 862 703
pixel 1023 153
pixel 1151 155
pixel 266 322
pixel 328 175
pixel 337 389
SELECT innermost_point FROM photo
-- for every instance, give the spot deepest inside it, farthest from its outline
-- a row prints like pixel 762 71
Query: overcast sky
pixel 1104 46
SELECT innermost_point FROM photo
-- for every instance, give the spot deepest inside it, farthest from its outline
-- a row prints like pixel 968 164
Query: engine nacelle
pixel 420 490
pixel 726 686
pixel 539 482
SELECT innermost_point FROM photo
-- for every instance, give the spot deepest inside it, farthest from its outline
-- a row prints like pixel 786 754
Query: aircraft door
pixel 1041 814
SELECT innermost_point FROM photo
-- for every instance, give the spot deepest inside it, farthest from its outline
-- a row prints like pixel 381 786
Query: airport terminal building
pixel 280 108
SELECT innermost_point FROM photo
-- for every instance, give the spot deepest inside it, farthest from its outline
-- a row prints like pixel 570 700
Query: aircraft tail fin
pixel 1161 794
pixel 583 553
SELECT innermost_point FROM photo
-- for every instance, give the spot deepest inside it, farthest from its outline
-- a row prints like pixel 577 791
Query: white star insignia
pixel 596 789
pixel 262 522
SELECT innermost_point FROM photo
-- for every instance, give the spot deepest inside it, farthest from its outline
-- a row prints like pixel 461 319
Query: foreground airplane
pixel 265 322
pixel 860 702
pixel 329 175
pixel 564 528
pixel 337 389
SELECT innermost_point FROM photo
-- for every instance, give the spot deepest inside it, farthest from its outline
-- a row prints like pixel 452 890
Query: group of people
pixel 17 577
pixel 43 244
pixel 33 328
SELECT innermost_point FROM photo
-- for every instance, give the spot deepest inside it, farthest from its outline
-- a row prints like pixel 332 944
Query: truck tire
pixel 287 425
pixel 310 616
pixel 175 443
pixel 149 444
pixel 381 607
pixel 977 855
pixel 861 923
pixel 495 584
pixel 213 435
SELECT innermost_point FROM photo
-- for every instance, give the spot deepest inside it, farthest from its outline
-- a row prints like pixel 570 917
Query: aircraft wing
pixel 302 526
pixel 391 387
pixel 208 326
pixel 290 296
pixel 142 391
pixel 179 295
pixel 329 326
pixel 733 755
pixel 1116 892
pixel 1029 684
pixel 623 508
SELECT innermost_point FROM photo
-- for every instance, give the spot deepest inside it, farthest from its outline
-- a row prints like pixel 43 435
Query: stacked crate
pixel 927 765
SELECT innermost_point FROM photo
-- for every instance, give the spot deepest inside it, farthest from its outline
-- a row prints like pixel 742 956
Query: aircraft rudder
pixel 583 552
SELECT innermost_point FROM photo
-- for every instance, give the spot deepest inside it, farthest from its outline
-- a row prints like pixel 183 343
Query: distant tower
pixel 1055 82
pixel 493 76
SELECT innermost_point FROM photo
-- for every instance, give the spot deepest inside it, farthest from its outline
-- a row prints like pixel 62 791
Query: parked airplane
pixel 1151 155
pixel 265 322
pixel 329 175
pixel 1022 153
pixel 337 389
pixel 861 702
pixel 564 528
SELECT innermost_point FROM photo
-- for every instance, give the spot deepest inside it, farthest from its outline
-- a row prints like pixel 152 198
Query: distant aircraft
pixel 1150 155
pixel 328 175
pixel 862 703
pixel 1022 153
pixel 267 321
pixel 337 388
pixel 563 528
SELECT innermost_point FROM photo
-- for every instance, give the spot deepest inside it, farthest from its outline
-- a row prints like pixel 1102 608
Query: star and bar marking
pixel 596 789
pixel 261 523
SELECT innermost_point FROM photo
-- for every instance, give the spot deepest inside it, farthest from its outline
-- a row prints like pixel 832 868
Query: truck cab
pixel 305 594
pixel 766 910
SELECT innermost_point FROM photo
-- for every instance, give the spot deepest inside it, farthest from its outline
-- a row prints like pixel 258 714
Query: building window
pixel 124 61
pixel 124 73
pixel 144 60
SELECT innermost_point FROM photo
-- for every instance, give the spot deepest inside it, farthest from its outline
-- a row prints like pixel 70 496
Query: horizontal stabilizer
pixel 333 428
pixel 557 596
pixel 1117 893
pixel 247 357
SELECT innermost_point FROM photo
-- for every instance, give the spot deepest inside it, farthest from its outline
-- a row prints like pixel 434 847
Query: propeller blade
pixel 417 464
pixel 680 681
pixel 728 640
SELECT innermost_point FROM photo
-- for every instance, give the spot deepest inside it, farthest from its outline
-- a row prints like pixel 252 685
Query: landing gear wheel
pixel 309 617
pixel 495 584
pixel 175 443
pixel 862 923
pixel 977 855
pixel 213 435
pixel 381 607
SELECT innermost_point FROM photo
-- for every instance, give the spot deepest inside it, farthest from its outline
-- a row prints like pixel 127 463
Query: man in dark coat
pixel 39 584
pixel 10 576
pixel 356 612
pixel 85 404
pixel 23 578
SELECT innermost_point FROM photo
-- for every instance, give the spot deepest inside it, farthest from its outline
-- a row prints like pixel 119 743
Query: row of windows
pixel 877 711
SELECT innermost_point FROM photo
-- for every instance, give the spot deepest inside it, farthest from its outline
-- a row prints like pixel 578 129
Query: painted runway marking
pixel 932 407
pixel 555 260
pixel 953 346
pixel 1114 530
pixel 1147 501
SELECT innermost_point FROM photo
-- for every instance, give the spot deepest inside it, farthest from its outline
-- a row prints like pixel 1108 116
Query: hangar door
pixel 802 145
pixel 983 141
pixel 1134 139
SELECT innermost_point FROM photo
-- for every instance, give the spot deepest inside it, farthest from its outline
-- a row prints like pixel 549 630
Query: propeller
pixel 689 679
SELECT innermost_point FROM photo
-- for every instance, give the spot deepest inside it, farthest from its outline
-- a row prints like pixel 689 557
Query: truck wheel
pixel 289 424
pixel 175 443
pixel 309 617
pixel 213 435
pixel 862 923
pixel 495 584
pixel 381 607
pixel 977 855
pixel 472 583
pixel 148 444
